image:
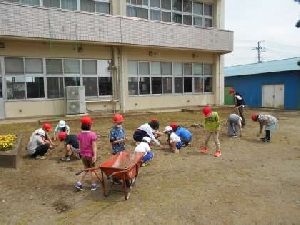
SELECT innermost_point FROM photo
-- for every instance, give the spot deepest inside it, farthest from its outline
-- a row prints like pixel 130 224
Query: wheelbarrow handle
pixel 86 170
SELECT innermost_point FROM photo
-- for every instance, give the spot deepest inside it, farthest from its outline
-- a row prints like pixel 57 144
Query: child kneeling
pixel 144 146
pixel 173 140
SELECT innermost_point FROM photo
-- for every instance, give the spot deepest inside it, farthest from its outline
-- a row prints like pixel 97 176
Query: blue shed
pixel 272 84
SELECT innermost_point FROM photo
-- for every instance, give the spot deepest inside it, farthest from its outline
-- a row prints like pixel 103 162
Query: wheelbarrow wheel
pixel 127 196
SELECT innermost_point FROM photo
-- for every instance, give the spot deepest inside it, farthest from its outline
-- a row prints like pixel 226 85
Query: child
pixel 147 130
pixel 71 145
pixel 117 135
pixel 211 127
pixel 183 133
pixel 234 123
pixel 88 151
pixel 156 132
pixel 267 121
pixel 173 140
pixel 239 104
pixel 47 128
pixel 37 146
pixel 144 146
pixel 61 127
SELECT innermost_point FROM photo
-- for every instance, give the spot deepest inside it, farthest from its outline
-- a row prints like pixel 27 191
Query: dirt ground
pixel 251 183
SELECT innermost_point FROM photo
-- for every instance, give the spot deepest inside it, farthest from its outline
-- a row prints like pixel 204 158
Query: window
pixel 69 4
pixel 98 6
pixel 30 2
pixel 55 87
pixel 51 3
pixel 186 12
pixel 95 6
pixel 26 78
pixel 146 78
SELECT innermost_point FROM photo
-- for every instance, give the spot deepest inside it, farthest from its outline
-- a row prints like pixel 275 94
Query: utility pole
pixel 259 50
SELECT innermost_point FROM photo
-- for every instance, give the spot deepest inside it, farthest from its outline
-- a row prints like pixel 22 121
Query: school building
pixel 61 57
pixel 272 84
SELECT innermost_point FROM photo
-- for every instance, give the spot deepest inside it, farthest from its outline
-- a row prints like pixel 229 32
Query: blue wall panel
pixel 250 86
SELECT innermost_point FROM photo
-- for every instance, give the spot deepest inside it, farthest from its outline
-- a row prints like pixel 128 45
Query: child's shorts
pixel 75 150
pixel 87 162
pixel 179 145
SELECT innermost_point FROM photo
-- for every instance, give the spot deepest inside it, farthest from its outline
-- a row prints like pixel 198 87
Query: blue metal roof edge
pixel 263 67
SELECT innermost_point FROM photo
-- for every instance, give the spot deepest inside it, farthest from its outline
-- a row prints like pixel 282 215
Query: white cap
pixel 147 139
pixel 62 123
pixel 41 132
pixel 167 129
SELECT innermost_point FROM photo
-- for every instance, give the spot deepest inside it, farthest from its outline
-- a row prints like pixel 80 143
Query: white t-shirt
pixel 174 137
pixel 143 147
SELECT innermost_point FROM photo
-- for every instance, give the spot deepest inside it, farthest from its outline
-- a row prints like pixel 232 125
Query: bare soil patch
pixel 251 183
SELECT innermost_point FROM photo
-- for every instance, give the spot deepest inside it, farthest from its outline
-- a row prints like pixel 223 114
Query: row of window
pixel 146 78
pixel 29 78
pixel 99 6
pixel 178 11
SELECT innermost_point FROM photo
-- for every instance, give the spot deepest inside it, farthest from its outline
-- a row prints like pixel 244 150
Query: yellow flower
pixel 7 142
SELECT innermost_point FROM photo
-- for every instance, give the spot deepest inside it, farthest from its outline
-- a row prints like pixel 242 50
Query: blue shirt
pixel 184 134
pixel 117 133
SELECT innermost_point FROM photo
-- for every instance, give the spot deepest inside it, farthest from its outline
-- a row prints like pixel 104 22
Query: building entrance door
pixel 273 96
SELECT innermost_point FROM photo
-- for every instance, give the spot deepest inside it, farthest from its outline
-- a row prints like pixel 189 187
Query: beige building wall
pixel 120 54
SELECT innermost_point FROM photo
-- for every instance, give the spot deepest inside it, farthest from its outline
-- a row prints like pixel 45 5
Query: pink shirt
pixel 86 138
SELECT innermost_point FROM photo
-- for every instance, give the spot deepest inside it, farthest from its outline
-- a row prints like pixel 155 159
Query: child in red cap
pixel 88 151
pixel 117 136
pixel 211 127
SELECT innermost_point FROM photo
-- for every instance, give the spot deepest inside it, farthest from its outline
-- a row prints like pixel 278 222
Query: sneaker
pixel 40 157
pixel 94 187
pixel 117 181
pixel 234 136
pixel 204 150
pixel 78 186
pixel 66 158
pixel 265 140
pixel 218 153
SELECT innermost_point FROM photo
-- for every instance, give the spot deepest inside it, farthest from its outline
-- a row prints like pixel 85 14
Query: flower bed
pixel 10 150
pixel 7 142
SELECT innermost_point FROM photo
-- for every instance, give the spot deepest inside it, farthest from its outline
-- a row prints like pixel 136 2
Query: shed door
pixel 273 96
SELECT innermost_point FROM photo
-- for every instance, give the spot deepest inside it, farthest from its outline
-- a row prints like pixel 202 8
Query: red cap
pixel 62 136
pixel 47 127
pixel 118 118
pixel 231 90
pixel 153 119
pixel 254 117
pixel 174 125
pixel 206 111
pixel 86 120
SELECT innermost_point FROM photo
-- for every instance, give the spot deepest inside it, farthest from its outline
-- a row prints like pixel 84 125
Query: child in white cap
pixel 144 146
pixel 37 146
pixel 61 127
pixel 174 142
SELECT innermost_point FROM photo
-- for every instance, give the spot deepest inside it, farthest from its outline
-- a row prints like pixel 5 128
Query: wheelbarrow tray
pixel 122 166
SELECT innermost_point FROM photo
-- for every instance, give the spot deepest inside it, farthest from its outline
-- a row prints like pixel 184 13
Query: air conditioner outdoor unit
pixel 75 92
pixel 75 96
pixel 75 107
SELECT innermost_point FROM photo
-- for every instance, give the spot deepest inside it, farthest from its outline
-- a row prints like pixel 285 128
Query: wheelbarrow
pixel 123 167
